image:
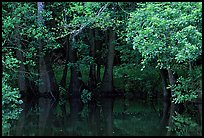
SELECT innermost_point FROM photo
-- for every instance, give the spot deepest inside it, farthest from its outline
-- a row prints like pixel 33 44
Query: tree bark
pixel 166 100
pixel 21 83
pixel 63 80
pixel 98 47
pixel 92 53
pixel 107 86
pixel 54 90
pixel 44 104
pixel 98 73
pixel 172 82
pixel 92 105
pixel 75 86
pixel 64 76
pixel 200 103
pixel 47 78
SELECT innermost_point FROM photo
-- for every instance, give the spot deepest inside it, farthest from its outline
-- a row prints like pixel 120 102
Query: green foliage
pixel 16 19
pixel 166 32
pixel 185 126
pixel 163 34
pixel 87 60
pixel 9 61
pixel 169 36
pixel 135 125
pixel 10 104
pixel 127 54
pixel 85 112
pixel 136 80
pixel 63 95
pixel 10 94
pixel 188 86
pixel 184 91
pixel 85 96
pixel 83 56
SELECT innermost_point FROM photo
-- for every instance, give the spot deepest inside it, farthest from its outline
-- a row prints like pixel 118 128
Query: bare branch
pixel 74 33
pixel 14 48
pixel 100 11
pixel 123 9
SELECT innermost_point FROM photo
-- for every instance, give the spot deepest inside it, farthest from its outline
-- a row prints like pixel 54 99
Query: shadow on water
pixel 45 118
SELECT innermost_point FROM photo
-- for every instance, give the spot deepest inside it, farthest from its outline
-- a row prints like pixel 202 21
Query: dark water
pixel 45 119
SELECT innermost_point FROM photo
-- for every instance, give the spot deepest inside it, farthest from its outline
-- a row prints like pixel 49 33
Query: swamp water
pixel 138 120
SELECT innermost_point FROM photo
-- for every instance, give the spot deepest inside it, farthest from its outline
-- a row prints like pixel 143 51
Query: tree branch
pixel 74 33
pixel 123 9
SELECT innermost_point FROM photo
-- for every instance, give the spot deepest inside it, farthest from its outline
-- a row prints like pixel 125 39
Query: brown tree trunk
pixel 166 100
pixel 107 86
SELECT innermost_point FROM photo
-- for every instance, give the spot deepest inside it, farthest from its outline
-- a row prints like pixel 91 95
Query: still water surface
pixel 47 120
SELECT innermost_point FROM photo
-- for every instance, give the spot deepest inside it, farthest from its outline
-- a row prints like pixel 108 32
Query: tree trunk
pixel 107 86
pixel 92 105
pixel 21 83
pixel 63 80
pixel 48 86
pixel 75 86
pixel 166 100
pixel 54 90
pixel 75 90
pixel 99 60
pixel 98 73
pixel 200 103
pixel 64 76
pixel 44 104
pixel 172 82
pixel 92 73
pixel 21 75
